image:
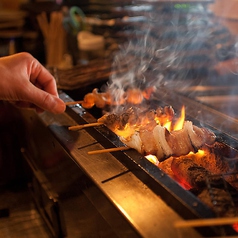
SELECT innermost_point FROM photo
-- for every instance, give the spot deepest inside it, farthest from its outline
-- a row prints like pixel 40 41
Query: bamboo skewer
pixel 73 102
pixel 206 222
pixel 108 150
pixel 78 127
pixel 54 36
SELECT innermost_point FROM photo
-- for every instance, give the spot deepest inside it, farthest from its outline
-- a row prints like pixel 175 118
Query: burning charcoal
pixel 189 172
pixel 212 161
pixel 222 149
pixel 232 179
pixel 166 167
pixel 219 201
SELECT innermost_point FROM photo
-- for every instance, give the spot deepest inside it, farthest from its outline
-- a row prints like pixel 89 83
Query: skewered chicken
pixel 163 143
pixel 131 96
pixel 146 132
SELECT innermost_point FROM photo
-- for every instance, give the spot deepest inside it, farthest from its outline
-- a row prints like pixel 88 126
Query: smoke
pixel 177 46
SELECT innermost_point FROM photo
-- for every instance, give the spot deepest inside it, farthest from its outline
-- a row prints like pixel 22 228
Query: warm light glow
pixel 127 131
pixel 179 123
pixel 235 227
pixel 201 153
pixel 148 121
pixel 198 154
pixel 153 159
pixel 167 125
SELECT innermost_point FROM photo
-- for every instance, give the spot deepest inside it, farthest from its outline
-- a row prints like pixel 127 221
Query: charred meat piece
pixel 112 121
pixel 166 167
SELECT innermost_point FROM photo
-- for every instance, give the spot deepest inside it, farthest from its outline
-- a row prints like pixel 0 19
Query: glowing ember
pixel 126 132
pixel 235 227
pixel 168 125
pixel 198 154
pixel 153 159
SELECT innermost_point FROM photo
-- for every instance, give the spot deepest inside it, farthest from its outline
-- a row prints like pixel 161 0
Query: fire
pixel 126 132
pixel 168 125
pixel 179 123
pixel 149 120
pixel 199 154
pixel 153 159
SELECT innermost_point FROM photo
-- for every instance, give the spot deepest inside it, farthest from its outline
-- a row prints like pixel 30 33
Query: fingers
pixel 45 100
pixel 25 80
pixel 42 78
pixel 43 91
pixel 45 94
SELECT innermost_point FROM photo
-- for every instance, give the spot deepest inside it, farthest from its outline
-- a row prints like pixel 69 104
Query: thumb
pixel 46 101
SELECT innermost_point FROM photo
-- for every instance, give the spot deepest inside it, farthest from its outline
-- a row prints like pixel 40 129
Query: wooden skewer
pixel 108 150
pixel 78 127
pixel 73 102
pixel 206 222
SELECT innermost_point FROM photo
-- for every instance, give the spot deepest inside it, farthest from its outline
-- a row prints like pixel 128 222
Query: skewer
pixel 78 127
pixel 108 150
pixel 73 102
pixel 206 222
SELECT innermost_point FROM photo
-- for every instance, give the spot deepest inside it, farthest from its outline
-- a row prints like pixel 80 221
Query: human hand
pixel 26 82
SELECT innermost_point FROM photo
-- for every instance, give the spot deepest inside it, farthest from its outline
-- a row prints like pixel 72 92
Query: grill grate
pixel 222 195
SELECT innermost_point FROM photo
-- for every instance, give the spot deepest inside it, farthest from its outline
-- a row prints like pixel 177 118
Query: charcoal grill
pixel 132 196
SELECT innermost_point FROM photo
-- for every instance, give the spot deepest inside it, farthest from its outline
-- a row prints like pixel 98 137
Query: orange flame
pixel 168 125
pixel 179 123
pixel 153 159
pixel 148 121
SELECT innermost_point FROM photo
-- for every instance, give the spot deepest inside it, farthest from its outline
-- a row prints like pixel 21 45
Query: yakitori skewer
pixel 78 127
pixel 206 222
pixel 101 99
pixel 74 102
pixel 93 152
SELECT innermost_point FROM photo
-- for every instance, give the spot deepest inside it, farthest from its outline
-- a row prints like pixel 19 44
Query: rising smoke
pixel 178 45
